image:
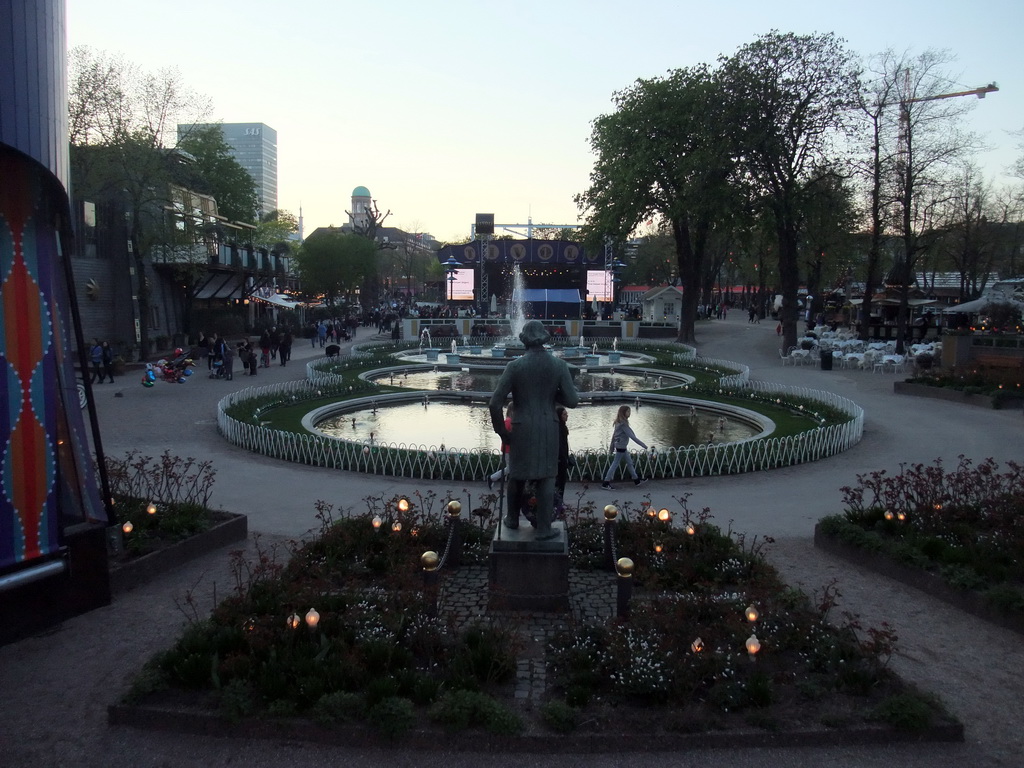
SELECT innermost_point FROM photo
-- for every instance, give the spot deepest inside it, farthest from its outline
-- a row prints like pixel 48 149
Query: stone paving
pixel 56 686
pixel 464 597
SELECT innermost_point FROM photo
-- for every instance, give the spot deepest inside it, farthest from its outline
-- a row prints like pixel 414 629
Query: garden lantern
pixel 751 613
pixel 377 523
pixel 312 618
pixel 652 513
pixel 403 505
pixel 151 508
pixel 691 529
pixel 697 645
pixel 293 621
pixel 658 546
pixel 753 646
pixel 901 515
pixel 127 527
pixel 888 514
pixel 664 515
pixel 396 527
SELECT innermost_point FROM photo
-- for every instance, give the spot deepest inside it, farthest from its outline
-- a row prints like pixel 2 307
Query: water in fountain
pixel 516 314
pixel 425 335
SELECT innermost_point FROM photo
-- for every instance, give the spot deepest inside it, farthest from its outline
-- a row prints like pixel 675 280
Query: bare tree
pixel 969 242
pixel 119 119
pixel 930 144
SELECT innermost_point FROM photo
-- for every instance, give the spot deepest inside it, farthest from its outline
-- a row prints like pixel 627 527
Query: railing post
pixel 624 583
pixel 455 520
pixel 610 515
pixel 431 574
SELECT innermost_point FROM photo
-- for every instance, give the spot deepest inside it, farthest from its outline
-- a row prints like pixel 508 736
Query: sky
pixel 449 108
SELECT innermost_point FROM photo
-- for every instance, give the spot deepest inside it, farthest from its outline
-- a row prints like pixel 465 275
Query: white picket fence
pixel 438 462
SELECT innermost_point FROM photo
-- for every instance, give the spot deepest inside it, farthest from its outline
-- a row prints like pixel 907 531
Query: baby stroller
pixel 218 369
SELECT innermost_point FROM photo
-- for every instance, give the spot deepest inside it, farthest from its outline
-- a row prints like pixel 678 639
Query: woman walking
pixel 622 433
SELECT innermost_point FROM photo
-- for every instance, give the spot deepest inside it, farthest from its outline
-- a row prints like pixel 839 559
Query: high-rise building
pixel 254 146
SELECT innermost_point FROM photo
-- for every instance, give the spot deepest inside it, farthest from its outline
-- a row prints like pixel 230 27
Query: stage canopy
pixel 551 296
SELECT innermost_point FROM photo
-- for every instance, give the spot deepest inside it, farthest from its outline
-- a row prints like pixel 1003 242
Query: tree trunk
pixel 789 278
pixel 140 287
pixel 688 260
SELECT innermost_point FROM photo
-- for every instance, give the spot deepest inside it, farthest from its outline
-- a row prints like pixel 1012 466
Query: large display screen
pixel 599 285
pixel 460 289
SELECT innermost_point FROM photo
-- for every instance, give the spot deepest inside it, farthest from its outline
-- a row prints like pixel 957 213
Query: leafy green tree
pixel 275 228
pixel 663 153
pixel 654 263
pixel 333 264
pixel 217 173
pixel 829 218
pixel 789 96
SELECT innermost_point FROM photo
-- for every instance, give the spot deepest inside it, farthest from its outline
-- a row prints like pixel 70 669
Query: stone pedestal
pixel 431 354
pixel 592 359
pixel 453 359
pixel 614 357
pixel 525 574
pixel 497 351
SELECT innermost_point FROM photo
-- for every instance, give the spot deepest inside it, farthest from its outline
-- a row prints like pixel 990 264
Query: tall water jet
pixel 516 315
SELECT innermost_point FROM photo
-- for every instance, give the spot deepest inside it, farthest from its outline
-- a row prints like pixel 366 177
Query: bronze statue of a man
pixel 537 381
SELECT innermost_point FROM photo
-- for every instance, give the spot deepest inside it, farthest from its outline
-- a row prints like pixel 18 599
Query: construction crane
pixel 979 92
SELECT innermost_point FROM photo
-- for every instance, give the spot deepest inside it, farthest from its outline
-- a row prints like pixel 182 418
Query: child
pixel 622 433
pixel 503 472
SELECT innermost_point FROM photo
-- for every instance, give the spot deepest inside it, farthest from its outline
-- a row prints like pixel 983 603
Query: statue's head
pixel 534 334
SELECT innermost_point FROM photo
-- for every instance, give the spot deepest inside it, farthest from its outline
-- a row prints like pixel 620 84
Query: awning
pixel 894 302
pixel 278 299
pixel 221 286
pixel 551 295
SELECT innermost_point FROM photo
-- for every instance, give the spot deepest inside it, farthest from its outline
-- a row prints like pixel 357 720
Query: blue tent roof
pixel 551 295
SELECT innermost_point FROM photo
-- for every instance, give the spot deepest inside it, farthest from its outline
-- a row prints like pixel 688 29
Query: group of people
pixel 220 354
pixel 334 331
pixel 101 358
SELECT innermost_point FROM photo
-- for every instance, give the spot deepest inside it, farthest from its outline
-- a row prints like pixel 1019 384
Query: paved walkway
pixel 54 688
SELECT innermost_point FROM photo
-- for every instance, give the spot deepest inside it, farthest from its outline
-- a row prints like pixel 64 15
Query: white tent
pixel 985 304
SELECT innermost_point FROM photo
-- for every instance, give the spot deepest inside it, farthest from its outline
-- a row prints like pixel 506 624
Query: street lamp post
pixel 450 267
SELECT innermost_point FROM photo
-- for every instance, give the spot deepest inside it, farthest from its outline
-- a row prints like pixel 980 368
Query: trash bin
pixel 826 360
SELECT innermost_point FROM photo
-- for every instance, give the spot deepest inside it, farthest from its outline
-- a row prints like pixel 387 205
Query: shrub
pixel 459 710
pixel 906 711
pixel 559 716
pixel 392 717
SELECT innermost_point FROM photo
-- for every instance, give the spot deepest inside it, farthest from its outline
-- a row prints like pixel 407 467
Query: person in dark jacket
pixel 565 459
pixel 284 349
pixel 108 360
pixel 96 360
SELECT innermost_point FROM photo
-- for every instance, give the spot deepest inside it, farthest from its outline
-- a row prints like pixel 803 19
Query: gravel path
pixel 56 686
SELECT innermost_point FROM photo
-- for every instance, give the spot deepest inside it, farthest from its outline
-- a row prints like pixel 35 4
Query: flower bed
pixel 957 531
pixel 347 633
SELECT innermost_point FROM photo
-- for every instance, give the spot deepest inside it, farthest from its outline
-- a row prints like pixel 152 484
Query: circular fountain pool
pixel 466 425
pixel 484 379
